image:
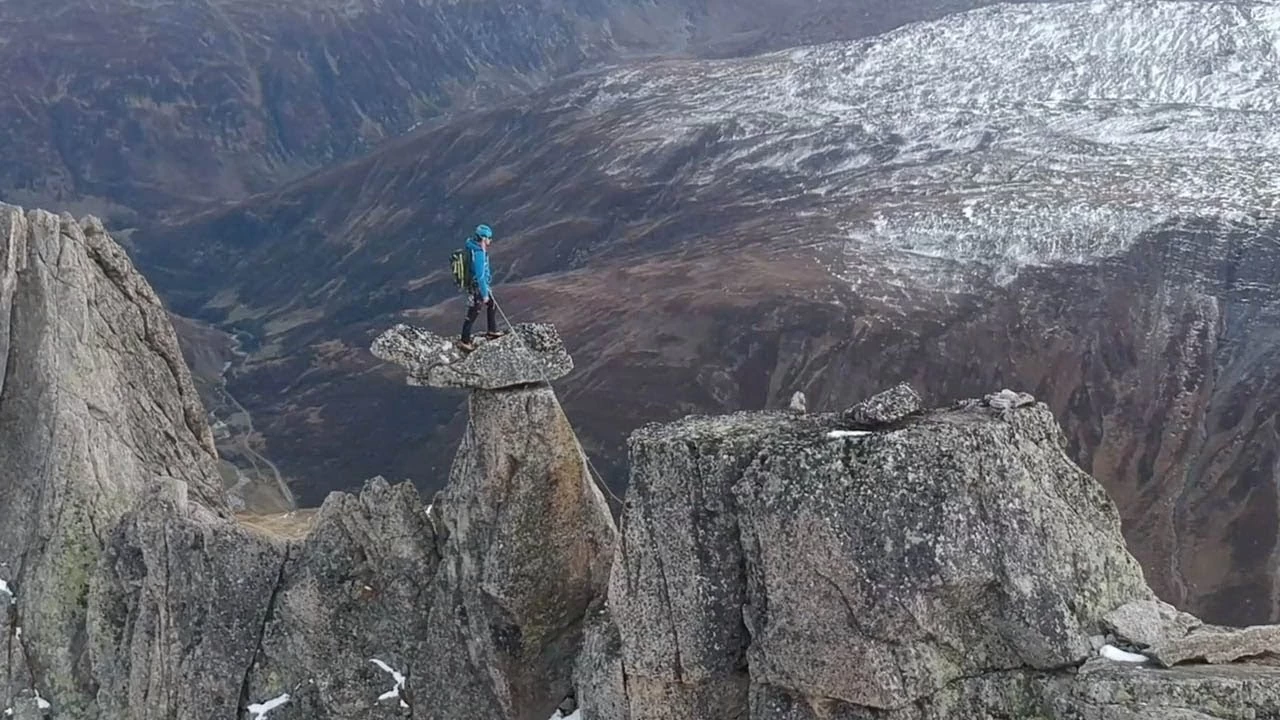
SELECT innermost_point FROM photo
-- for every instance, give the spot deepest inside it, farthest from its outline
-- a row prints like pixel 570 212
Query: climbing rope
pixel 591 467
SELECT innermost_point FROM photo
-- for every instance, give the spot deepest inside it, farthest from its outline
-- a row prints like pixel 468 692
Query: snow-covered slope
pixel 1017 133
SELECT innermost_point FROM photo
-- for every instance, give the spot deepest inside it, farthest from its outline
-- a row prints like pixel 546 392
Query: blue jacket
pixel 479 267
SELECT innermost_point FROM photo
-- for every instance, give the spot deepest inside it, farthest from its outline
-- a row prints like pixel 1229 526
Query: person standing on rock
pixel 479 293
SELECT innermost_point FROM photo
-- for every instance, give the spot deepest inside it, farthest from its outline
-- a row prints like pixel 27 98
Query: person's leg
pixel 491 316
pixel 473 310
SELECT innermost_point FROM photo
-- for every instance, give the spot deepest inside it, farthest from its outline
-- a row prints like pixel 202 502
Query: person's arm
pixel 480 263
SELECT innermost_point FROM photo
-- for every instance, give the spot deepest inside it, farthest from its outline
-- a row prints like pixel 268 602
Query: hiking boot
pixel 465 346
pixel 492 334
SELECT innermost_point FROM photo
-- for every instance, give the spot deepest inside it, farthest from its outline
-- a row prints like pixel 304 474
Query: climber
pixel 479 294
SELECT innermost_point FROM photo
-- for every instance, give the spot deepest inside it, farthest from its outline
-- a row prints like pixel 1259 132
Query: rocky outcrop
pixel 530 353
pixel 893 563
pixel 954 563
pixel 353 597
pixel 131 592
pixel 175 612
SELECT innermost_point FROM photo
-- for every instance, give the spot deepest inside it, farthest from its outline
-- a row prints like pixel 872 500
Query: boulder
pixel 1171 637
pixel 885 567
pixel 1145 623
pixel 885 408
pixel 528 354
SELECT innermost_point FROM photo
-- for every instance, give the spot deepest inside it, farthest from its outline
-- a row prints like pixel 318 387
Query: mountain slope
pixel 1075 198
pixel 133 106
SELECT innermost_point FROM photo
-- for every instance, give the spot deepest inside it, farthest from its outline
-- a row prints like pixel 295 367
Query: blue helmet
pixel 484 231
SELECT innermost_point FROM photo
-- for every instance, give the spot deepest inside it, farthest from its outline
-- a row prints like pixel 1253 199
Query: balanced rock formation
pixel 530 353
pixel 953 564
pixel 127 589
pixel 529 536
pixel 891 563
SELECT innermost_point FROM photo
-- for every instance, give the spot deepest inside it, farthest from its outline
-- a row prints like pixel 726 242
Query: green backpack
pixel 461 266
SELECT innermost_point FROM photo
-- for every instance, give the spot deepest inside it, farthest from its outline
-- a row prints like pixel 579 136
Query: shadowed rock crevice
pixel 267 617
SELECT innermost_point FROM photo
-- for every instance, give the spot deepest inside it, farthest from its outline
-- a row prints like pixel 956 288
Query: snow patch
pixel 4 590
pixel 260 710
pixel 575 715
pixel 847 433
pixel 41 702
pixel 1114 653
pixel 1009 136
pixel 396 675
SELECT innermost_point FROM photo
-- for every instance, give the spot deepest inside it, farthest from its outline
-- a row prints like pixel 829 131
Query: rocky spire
pixel 528 535
pixel 888 562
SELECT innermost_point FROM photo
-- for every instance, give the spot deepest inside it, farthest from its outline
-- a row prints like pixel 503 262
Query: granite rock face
pixel 175 613
pixel 472 607
pixel 529 353
pixel 956 564
pixel 947 563
pixel 528 539
pixel 96 405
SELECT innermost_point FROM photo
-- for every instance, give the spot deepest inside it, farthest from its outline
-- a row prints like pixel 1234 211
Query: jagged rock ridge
pixel 944 563
pixel 135 594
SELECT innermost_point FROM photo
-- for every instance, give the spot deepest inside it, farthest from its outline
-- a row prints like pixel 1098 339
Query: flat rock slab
pixel 530 353
pixel 1148 623
pixel 1219 645
pixel 1171 637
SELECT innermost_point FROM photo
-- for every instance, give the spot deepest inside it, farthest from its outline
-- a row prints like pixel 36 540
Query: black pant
pixel 473 310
